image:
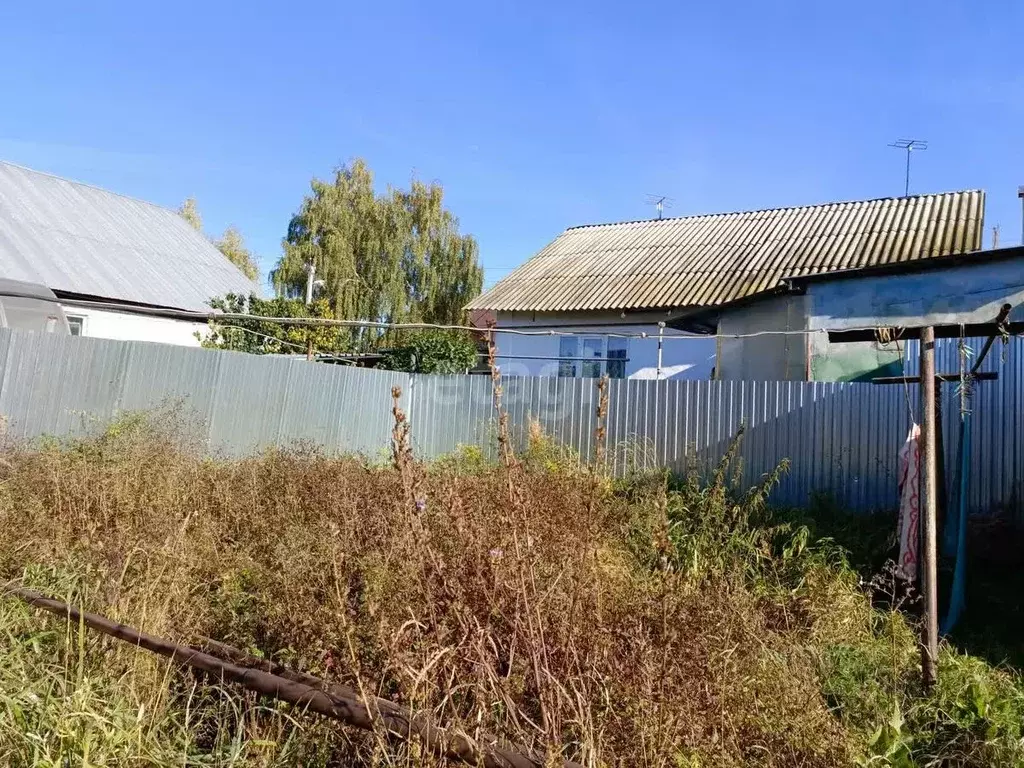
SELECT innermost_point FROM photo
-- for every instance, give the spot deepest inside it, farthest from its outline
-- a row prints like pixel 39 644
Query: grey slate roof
pixel 76 238
pixel 701 261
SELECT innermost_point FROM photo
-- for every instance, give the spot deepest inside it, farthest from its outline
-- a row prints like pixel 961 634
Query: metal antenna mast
pixel 660 203
pixel 909 145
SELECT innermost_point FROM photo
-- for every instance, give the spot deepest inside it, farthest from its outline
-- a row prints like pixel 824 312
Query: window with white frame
pixel 593 351
pixel 591 356
pixel 76 323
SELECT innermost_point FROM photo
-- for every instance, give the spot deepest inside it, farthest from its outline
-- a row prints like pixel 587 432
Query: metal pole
pixel 661 337
pixel 310 274
pixel 929 497
pixel 1020 194
pixel 906 184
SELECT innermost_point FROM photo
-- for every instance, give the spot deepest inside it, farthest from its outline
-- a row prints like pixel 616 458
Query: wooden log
pixel 341 703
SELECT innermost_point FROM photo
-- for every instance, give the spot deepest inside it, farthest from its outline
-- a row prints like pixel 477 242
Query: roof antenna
pixel 660 203
pixel 909 145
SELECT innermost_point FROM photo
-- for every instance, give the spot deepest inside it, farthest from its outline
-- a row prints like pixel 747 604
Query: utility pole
pixel 909 145
pixel 995 236
pixel 1020 194
pixel 929 496
pixel 661 339
pixel 310 275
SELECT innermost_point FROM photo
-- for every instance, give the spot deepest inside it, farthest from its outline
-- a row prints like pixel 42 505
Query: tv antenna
pixel 660 203
pixel 909 145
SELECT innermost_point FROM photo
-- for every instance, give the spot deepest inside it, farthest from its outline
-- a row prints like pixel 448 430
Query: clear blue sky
pixel 534 116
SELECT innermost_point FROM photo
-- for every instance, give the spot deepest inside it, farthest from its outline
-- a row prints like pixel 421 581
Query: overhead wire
pixel 221 317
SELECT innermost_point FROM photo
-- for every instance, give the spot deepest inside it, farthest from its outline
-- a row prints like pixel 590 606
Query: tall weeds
pixel 650 623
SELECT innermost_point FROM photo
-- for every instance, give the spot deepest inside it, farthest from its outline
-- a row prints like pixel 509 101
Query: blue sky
pixel 534 116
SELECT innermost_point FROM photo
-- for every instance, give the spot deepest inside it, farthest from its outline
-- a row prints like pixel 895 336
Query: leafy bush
pixel 265 337
pixel 433 352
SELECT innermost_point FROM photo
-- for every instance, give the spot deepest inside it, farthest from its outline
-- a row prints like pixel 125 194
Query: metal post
pixel 906 182
pixel 929 496
pixel 310 274
pixel 661 336
pixel 1020 194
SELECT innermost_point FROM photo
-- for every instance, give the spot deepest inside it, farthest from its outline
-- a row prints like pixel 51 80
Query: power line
pixel 222 317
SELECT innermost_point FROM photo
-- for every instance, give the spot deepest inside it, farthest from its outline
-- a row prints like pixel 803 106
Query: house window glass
pixel 617 349
pixel 593 347
pixel 568 350
pixel 76 324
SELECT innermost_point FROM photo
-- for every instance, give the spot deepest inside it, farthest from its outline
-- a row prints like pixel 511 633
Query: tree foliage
pixel 230 243
pixel 393 257
pixel 265 337
pixel 190 213
pixel 433 352
pixel 233 247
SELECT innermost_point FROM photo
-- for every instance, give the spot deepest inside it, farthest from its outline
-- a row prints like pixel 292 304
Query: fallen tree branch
pixel 337 701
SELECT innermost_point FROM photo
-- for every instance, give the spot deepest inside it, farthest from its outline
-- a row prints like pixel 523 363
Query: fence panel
pixel 841 438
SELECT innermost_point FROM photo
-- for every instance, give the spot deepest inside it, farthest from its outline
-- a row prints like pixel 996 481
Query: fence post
pixel 929 494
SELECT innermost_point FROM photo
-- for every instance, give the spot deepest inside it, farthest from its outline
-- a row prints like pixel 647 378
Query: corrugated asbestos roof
pixel 700 261
pixel 76 238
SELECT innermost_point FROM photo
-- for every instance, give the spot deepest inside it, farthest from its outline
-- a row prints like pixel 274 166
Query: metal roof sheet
pixel 77 238
pixel 709 260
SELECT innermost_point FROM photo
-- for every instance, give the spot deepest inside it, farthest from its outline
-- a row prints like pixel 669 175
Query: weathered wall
pixel 963 294
pixel 767 357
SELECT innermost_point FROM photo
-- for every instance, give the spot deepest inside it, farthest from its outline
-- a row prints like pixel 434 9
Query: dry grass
pixel 612 624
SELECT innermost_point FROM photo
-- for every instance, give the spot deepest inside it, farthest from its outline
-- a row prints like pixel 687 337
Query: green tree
pixel 233 247
pixel 190 213
pixel 393 257
pixel 433 352
pixel 266 337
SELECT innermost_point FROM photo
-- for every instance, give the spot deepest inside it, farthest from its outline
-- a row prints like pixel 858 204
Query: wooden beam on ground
pixel 334 701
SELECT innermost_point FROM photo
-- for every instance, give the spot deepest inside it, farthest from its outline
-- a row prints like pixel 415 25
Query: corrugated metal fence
pixel 841 438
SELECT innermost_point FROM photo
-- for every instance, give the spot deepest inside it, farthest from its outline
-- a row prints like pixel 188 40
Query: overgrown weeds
pixel 653 622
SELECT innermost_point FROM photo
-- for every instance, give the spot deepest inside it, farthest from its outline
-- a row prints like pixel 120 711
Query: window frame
pixel 81 322
pixel 567 367
pixel 617 360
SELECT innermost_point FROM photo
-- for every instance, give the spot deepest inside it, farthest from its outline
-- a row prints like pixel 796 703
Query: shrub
pixel 433 352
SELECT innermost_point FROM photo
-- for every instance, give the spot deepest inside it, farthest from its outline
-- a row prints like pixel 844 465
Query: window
pixel 77 325
pixel 568 350
pixel 617 349
pixel 581 356
pixel 593 347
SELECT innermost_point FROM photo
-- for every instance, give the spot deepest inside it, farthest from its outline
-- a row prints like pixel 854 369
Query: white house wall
pixel 692 357
pixel 126 326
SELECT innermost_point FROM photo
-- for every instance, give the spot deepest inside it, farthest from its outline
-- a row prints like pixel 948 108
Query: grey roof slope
pixel 76 238
pixel 701 261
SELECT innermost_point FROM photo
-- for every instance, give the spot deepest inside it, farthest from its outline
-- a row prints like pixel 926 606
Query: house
pixel 824 323
pixel 693 273
pixel 92 247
